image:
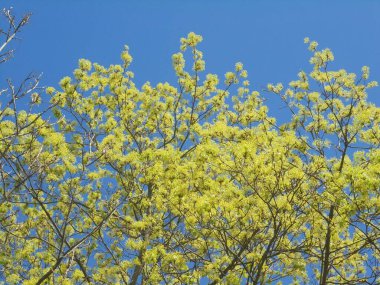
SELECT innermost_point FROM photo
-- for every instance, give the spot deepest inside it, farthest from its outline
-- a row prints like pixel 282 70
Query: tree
pixel 116 184
pixel 10 32
pixel 12 127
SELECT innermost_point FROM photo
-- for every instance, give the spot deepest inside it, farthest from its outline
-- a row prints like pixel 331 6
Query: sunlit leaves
pixel 177 182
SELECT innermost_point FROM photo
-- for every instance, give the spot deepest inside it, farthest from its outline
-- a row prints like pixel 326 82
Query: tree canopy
pixel 193 182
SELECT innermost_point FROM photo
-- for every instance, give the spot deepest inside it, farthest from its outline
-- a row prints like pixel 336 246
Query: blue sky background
pixel 267 36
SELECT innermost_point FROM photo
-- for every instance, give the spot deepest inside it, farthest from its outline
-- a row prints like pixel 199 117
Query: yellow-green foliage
pixel 169 184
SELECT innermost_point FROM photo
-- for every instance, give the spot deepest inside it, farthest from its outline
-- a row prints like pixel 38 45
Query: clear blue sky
pixel 267 36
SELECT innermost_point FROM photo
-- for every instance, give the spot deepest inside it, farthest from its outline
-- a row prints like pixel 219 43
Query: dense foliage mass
pixel 191 183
